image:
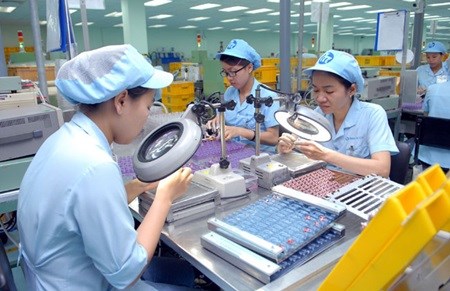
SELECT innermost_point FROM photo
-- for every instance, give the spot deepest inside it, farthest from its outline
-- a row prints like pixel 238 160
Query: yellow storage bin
pixel 308 62
pixel 174 108
pixel 270 62
pixel 179 87
pixel 405 223
pixel 266 74
pixel 177 100
pixel 174 66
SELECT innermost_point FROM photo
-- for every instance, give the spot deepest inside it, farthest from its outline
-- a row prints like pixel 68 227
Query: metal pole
pixel 319 28
pixel 85 26
pixel 285 61
pixel 418 33
pixel 3 68
pixel 40 65
pixel 404 52
pixel 300 44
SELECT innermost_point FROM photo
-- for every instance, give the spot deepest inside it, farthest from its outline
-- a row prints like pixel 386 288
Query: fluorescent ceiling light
pixel 363 28
pixel 261 10
pixel 43 22
pixel 114 14
pixel 354 7
pixel 200 18
pixel 160 16
pixel 7 9
pixel 71 11
pixel 230 20
pixel 259 21
pixel 154 3
pixel 262 29
pixel 240 29
pixel 310 24
pixel 439 4
pixel 81 23
pixel 205 6
pixel 118 25
pixel 273 1
pixel 273 13
pixel 339 4
pixel 381 10
pixel 156 25
pixel 187 27
pixel 233 8
pixel 215 28
pixel 336 16
pixel 346 33
pixel 351 19
pixel 347 27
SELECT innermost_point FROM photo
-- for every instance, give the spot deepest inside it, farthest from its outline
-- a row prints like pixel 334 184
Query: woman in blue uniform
pixel 435 71
pixel 76 230
pixel 362 142
pixel 239 60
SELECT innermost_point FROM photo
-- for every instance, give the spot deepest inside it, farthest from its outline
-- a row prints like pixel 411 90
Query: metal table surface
pixel 183 236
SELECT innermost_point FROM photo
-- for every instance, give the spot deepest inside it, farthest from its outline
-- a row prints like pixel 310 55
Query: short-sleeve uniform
pixel 76 230
pixel 365 131
pixel 426 76
pixel 243 113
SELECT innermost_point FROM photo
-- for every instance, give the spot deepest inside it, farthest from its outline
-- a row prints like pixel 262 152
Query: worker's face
pixel 434 59
pixel 330 94
pixel 238 75
pixel 135 117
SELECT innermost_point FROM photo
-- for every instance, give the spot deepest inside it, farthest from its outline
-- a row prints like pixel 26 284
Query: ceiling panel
pixel 180 9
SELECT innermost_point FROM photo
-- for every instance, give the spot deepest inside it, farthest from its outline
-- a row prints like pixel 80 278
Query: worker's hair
pixel 233 61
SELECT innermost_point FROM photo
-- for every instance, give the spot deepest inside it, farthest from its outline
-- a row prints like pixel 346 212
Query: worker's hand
pixel 421 91
pixel 175 185
pixel 232 131
pixel 212 128
pixel 286 143
pixel 312 149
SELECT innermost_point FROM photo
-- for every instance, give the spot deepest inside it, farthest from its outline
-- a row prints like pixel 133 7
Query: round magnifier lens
pixel 162 144
pixel 305 123
pixel 297 122
pixel 166 149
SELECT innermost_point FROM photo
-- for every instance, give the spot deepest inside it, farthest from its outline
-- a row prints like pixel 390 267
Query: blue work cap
pixel 98 75
pixel 241 49
pixel 435 47
pixel 341 64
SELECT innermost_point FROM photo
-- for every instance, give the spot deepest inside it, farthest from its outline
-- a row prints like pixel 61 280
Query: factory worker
pixel 238 61
pixel 362 142
pixel 436 104
pixel 76 230
pixel 435 71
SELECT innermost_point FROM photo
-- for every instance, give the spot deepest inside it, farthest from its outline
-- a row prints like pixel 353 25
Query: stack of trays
pixel 275 233
pixel 196 202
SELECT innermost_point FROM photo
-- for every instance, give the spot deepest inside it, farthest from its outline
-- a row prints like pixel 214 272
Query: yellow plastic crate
pixel 266 74
pixel 177 100
pixel 405 223
pixel 270 61
pixel 173 108
pixel 308 62
pixel 174 66
pixel 179 87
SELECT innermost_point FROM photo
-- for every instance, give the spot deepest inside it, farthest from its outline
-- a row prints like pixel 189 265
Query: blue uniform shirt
pixel 426 76
pixel 76 230
pixel 436 103
pixel 243 113
pixel 364 131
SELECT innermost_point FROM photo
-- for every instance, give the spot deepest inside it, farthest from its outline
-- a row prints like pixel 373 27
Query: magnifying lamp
pixel 170 146
pixel 305 123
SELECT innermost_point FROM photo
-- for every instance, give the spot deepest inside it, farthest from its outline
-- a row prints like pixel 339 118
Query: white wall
pixel 184 41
